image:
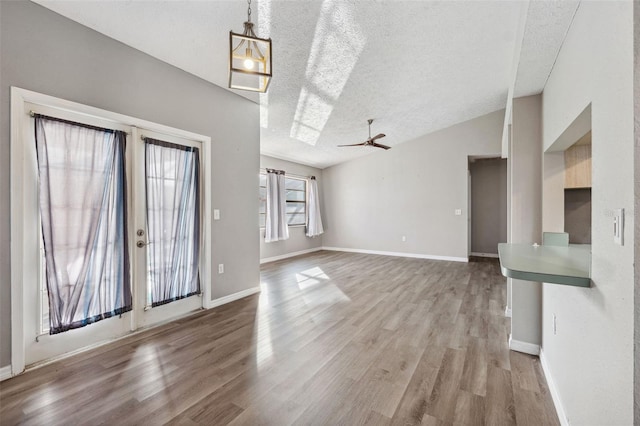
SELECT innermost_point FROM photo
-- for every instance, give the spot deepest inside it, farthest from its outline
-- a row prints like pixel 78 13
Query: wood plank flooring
pixel 332 339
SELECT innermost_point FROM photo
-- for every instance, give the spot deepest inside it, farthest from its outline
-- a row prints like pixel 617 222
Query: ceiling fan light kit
pixel 249 59
pixel 372 140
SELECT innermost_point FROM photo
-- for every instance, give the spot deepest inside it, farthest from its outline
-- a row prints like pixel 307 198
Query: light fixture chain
pixel 249 10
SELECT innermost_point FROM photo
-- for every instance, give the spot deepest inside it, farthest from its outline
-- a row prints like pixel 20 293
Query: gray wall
pixel 297 241
pixel 636 98
pixel 411 190
pixel 47 53
pixel 553 191
pixel 525 156
pixel 488 204
pixel 590 358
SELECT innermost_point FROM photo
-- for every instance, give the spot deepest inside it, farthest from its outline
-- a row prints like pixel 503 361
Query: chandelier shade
pixel 249 60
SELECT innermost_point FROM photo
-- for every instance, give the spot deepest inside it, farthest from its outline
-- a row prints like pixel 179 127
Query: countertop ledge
pixel 568 265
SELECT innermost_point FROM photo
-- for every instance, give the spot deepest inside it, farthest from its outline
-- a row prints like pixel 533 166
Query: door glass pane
pixel 82 216
pixel 173 221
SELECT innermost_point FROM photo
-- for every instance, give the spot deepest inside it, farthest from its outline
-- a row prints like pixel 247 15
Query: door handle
pixel 141 243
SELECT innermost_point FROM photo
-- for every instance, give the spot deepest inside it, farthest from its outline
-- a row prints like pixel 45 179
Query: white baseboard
pixel 287 255
pixel 232 297
pixel 524 347
pixel 507 312
pixel 493 255
pixel 553 390
pixel 5 372
pixel 399 254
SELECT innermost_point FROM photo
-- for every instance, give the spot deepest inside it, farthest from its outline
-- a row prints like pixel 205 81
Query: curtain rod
pixel 32 113
pixel 264 170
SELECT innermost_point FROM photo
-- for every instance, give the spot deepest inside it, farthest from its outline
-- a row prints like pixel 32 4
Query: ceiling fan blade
pixel 378 145
pixel 378 136
pixel 355 144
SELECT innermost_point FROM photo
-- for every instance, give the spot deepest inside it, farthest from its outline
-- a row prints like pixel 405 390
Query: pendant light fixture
pixel 249 59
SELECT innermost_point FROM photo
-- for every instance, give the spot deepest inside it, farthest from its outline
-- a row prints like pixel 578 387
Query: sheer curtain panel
pixel 83 215
pixel 276 227
pixel 314 220
pixel 173 221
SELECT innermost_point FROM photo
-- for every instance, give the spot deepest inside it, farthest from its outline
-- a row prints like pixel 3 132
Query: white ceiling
pixel 413 66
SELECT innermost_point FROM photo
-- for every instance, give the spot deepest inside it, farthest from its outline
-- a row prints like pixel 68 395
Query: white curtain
pixel 173 221
pixel 314 220
pixel 276 227
pixel 84 228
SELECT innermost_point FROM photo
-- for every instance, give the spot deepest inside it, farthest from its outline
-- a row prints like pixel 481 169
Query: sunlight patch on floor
pixel 330 293
pixel 264 346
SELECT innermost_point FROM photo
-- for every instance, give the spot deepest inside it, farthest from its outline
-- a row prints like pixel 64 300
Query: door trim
pixel 22 195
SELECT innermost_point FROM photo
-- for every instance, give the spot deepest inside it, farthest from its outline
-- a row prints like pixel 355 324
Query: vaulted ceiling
pixel 413 66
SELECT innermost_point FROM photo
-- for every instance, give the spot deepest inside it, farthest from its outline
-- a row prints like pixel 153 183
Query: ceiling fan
pixel 372 140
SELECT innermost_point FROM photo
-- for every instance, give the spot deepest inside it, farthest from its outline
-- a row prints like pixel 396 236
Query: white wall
pixel 590 359
pixel 411 190
pixel 525 157
pixel 47 53
pixel 297 241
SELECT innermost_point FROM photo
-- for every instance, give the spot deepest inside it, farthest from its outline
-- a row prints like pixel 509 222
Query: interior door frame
pixel 24 214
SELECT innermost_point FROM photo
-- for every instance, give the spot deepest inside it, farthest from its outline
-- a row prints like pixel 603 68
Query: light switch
pixel 458 212
pixel 618 226
pixel 216 214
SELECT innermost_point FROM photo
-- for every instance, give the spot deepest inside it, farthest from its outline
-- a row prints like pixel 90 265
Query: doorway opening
pixel 487 205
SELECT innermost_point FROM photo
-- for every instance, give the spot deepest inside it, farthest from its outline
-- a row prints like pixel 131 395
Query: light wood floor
pixel 334 338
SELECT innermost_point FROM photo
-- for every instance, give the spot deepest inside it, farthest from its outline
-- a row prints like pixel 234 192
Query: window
pixel 296 200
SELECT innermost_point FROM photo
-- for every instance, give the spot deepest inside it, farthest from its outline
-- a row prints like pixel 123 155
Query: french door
pixel 165 231
pixel 167 217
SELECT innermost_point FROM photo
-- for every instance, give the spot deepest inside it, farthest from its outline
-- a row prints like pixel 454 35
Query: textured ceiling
pixel 413 66
pixel 547 25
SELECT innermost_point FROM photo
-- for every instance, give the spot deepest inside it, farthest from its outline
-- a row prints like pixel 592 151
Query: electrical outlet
pixel 555 324
pixel 221 268
pixel 216 214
